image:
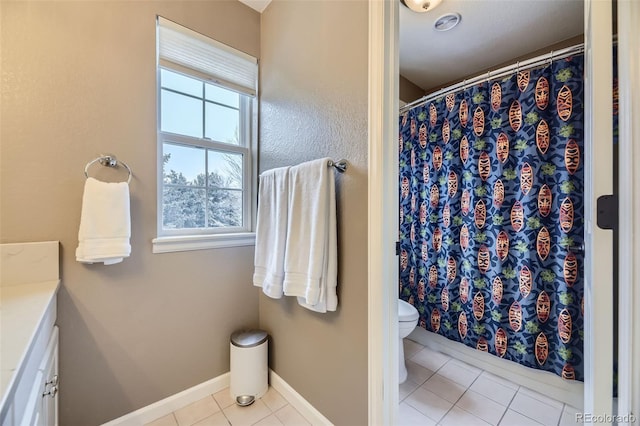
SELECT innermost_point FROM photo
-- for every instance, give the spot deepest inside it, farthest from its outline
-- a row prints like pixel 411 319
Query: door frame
pixel 383 199
pixel 598 276
pixel 383 212
pixel 629 209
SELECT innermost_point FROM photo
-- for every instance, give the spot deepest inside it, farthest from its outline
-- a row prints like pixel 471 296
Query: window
pixel 206 97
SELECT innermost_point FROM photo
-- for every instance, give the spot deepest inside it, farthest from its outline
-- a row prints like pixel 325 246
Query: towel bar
pixel 108 160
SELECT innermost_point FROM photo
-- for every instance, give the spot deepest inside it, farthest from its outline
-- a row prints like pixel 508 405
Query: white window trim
pixel 222 238
pixel 202 242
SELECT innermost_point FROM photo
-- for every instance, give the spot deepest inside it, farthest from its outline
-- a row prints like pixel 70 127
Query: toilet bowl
pixel 407 321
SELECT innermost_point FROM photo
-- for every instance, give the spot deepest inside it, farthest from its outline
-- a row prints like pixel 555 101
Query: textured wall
pixel 78 79
pixel 314 104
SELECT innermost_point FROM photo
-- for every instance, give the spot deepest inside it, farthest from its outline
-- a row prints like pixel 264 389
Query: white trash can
pixel 249 369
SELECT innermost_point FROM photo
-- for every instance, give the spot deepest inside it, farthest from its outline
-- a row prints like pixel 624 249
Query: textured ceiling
pixel 491 32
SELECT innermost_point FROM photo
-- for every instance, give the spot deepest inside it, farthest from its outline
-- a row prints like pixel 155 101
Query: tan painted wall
pixel 78 79
pixel 314 104
pixel 545 50
pixel 409 92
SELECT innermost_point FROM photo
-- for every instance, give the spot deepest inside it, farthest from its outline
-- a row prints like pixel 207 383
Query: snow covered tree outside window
pixel 211 199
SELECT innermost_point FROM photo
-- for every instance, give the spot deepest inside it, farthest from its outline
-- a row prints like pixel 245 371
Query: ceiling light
pixel 421 5
pixel 448 21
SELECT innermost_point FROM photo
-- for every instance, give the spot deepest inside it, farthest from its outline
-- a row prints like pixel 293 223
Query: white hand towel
pixel 271 231
pixel 105 223
pixel 310 263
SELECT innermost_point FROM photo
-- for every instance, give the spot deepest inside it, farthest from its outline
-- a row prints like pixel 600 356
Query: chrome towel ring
pixel 108 160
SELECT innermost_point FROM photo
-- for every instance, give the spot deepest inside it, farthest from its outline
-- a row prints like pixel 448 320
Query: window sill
pixel 202 242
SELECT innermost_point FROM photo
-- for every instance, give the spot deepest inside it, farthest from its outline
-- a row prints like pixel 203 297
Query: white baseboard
pixel 170 404
pixel 307 410
pixel 568 391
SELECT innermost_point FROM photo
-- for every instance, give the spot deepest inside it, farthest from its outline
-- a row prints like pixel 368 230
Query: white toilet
pixel 407 321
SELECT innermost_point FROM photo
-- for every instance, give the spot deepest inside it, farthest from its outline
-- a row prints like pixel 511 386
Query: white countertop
pixel 22 308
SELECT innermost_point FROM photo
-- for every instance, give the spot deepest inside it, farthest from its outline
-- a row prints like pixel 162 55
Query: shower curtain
pixel 491 210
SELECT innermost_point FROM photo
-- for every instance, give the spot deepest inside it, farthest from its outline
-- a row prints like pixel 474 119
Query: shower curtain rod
pixel 501 72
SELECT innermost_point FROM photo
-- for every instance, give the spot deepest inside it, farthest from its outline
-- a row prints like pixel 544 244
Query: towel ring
pixel 108 160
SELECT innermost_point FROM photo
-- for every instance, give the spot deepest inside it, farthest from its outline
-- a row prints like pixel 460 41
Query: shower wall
pixel 409 92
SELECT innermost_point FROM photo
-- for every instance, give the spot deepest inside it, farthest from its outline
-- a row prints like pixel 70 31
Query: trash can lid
pixel 248 338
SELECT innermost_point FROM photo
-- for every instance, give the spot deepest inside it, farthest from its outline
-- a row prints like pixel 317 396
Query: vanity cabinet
pixel 29 282
pixel 33 398
pixel 49 386
pixel 42 403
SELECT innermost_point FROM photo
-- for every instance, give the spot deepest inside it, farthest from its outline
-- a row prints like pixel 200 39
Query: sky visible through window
pixel 182 113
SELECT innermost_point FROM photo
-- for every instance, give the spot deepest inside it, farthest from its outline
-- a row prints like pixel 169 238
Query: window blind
pixel 223 65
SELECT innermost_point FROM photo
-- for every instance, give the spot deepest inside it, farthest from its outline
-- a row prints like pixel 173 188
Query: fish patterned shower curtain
pixel 491 205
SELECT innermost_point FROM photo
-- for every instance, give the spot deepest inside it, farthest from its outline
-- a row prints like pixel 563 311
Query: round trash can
pixel 249 370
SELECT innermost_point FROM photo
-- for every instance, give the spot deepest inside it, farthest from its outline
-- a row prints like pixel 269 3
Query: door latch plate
pixel 607 207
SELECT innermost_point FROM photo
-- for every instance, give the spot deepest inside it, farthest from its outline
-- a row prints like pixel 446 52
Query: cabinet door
pixel 32 409
pixel 48 409
pixel 8 419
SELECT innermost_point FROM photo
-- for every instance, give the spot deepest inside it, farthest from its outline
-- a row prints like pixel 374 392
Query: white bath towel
pixel 105 223
pixel 310 262
pixel 271 231
pixel 328 298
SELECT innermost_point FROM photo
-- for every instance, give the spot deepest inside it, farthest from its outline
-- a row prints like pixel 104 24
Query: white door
pixel 598 156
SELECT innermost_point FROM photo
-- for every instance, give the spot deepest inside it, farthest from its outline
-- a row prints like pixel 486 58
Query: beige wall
pixel 545 50
pixel 409 92
pixel 314 104
pixel 78 79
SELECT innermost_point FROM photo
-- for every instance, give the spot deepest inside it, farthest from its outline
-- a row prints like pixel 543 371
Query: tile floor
pixel 439 390
pixel 219 409
pixel 443 391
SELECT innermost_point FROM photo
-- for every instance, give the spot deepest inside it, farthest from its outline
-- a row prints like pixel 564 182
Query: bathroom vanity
pixel 29 281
